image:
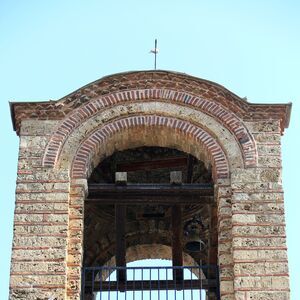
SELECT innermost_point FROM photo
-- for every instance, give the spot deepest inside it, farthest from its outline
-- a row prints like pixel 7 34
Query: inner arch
pixel 147 224
pixel 149 130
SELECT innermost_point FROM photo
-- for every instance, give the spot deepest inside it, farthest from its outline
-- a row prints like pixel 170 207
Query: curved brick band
pixel 93 142
pixel 214 109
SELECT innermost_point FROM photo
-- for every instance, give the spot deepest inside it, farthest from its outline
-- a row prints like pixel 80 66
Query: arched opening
pixel 153 270
pixel 154 196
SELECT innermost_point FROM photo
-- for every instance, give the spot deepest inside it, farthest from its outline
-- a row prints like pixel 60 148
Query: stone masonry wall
pixel 48 224
pixel 258 225
pixel 38 269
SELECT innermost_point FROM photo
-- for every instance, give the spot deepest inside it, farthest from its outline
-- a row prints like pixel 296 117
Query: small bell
pixel 192 232
pixel 194 243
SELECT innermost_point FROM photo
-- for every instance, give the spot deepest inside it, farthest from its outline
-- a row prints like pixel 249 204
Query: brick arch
pixel 90 145
pixel 212 108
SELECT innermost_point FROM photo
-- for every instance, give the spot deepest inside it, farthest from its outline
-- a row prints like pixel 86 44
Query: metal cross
pixel 155 51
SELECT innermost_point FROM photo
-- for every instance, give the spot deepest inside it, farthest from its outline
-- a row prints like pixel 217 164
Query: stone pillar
pixel 38 266
pixel 78 192
pixel 259 242
pixel 223 196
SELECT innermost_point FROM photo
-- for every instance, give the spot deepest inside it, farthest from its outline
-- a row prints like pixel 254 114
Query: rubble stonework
pixel 62 141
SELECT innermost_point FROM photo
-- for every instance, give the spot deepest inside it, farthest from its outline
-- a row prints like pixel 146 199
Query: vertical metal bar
pixel 150 283
pixel 109 272
pixel 175 281
pixel 82 283
pixel 142 283
pixel 158 292
pixel 183 283
pixel 167 292
pixel 218 282
pixel 125 284
pixel 133 275
pixel 200 269
pixel 100 278
pixel 192 291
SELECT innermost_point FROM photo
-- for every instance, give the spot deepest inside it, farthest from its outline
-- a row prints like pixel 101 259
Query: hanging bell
pixel 194 243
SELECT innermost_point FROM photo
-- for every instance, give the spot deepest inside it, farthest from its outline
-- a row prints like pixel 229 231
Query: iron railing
pixel 146 283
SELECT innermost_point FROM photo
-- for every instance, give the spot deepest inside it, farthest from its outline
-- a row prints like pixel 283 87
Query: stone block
pixel 259 242
pixel 121 178
pixel 259 255
pixel 260 268
pixel 176 177
pixel 269 150
pixel 267 137
pixel 244 230
pixel 38 127
pixel 267 295
pixel 39 254
pixel 272 126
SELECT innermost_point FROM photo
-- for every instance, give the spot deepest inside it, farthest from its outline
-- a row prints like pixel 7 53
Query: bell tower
pixel 147 165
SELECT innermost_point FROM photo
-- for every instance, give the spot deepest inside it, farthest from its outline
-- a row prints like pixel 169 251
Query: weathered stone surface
pixel 264 126
pixel 58 253
pixel 261 295
pixel 258 218
pixel 269 150
pixel 36 241
pixel 265 138
pixel 45 207
pixel 269 161
pixel 34 294
pixel 40 229
pixel 57 196
pixel 262 282
pixel 254 197
pixel 276 242
pixel 259 208
pixel 261 268
pixel 258 230
pixel 37 127
pixel 255 255
pixel 38 267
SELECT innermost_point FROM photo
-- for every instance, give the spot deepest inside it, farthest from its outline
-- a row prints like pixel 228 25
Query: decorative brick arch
pixel 90 146
pixel 216 110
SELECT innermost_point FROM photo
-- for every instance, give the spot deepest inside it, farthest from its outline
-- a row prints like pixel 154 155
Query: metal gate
pixel 146 283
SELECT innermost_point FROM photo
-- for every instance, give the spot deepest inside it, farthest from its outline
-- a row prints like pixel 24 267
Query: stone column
pixel 259 239
pixel 38 264
pixel 223 196
pixel 78 192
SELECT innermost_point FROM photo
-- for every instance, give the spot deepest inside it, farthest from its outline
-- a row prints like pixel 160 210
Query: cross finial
pixel 155 51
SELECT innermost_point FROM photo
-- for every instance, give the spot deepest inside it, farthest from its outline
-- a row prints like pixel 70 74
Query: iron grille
pixel 146 283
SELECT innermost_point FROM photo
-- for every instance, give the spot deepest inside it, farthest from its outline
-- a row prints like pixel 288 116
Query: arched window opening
pixel 155 274
pixel 153 196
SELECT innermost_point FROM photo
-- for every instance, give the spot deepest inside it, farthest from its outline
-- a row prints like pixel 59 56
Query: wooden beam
pixel 150 193
pixel 177 258
pixel 152 164
pixel 120 223
pixel 150 199
pixel 190 168
pixel 97 189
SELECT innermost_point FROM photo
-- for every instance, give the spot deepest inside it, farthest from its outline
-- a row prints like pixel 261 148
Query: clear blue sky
pixel 50 48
